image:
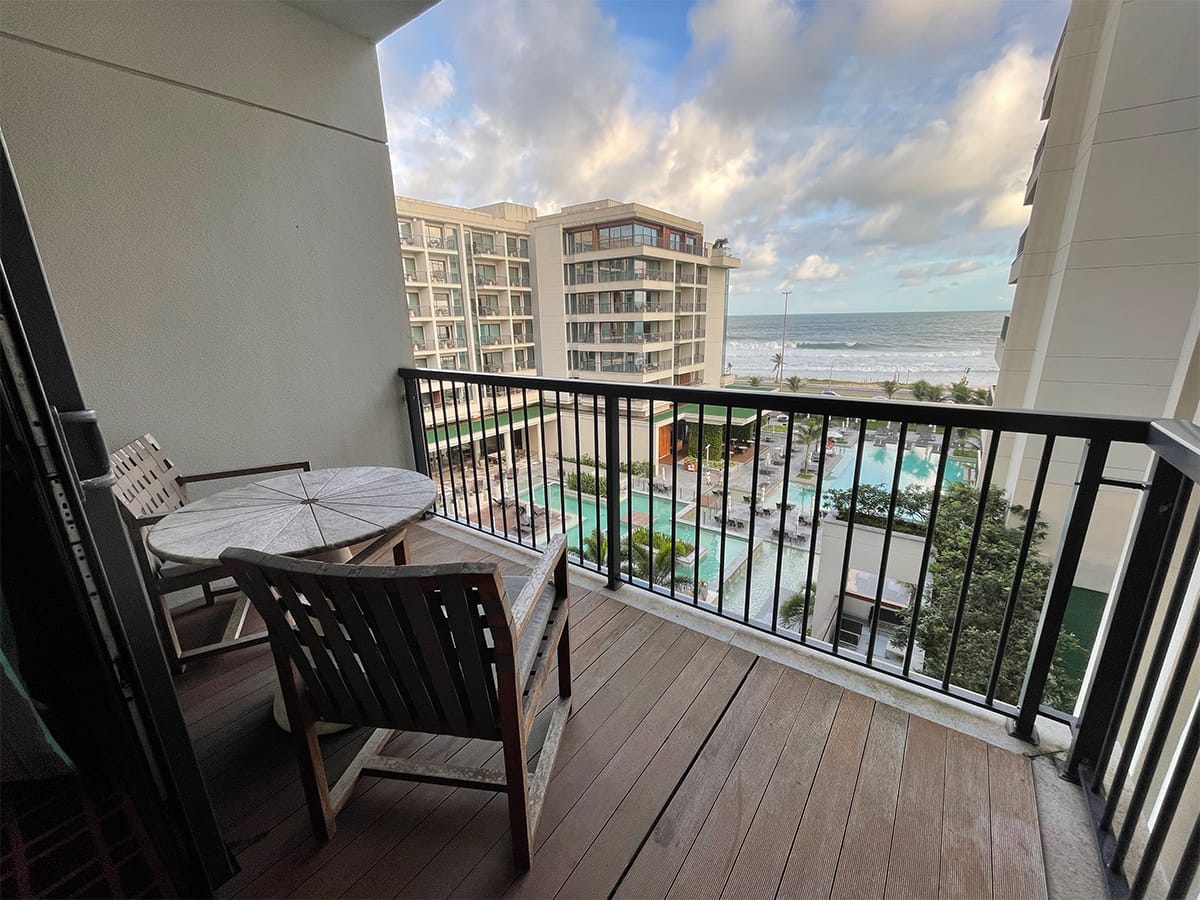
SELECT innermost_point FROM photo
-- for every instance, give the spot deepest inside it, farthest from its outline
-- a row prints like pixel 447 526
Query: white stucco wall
pixel 209 187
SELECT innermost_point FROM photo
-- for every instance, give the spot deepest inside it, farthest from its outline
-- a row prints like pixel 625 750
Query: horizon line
pixel 861 312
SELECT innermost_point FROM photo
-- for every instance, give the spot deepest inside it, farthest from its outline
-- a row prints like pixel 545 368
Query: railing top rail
pixel 1119 429
pixel 1178 442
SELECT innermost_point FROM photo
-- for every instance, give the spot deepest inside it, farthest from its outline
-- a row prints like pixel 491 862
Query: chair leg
pixel 166 630
pixel 209 599
pixel 564 660
pixel 308 752
pixel 517 776
pixel 400 552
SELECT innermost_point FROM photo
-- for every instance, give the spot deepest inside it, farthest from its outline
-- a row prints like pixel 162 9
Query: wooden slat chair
pixel 435 649
pixel 148 488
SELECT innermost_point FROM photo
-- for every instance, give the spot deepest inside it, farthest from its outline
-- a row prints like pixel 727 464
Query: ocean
pixel 938 346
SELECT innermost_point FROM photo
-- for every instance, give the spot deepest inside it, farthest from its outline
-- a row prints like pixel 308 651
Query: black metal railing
pixel 875 531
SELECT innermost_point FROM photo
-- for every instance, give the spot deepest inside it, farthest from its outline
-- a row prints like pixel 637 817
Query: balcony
pixel 793 485
pixel 519 282
pixel 412 240
pixel 1014 271
pixel 491 280
pixel 453 311
pixel 420 312
pixel 445 244
pixel 493 312
pixel 523 309
pixel 425 346
pixel 438 276
pixel 1001 340
pixel 617 309
pixel 480 249
pixel 518 252
pixel 416 276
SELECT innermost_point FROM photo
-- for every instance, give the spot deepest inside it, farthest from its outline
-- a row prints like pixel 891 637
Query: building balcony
pixel 517 252
pixel 524 310
pixel 440 277
pixel 519 282
pixel 867 619
pixel 412 240
pixel 998 355
pixel 443 311
pixel 661 309
pixel 442 244
pixel 425 346
pixel 1014 271
pixel 493 312
pixel 480 249
pixel 420 312
pixel 416 276
pixel 491 280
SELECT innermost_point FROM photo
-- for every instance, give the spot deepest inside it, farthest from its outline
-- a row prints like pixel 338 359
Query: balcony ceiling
pixel 371 19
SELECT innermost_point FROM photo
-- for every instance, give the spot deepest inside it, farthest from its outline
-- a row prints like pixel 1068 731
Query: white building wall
pixel 1105 315
pixel 209 187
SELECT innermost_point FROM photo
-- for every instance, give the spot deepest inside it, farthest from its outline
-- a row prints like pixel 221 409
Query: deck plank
pixel 759 866
pixel 747 732
pixel 914 863
pixel 688 768
pixel 966 825
pixel 862 867
pixel 813 862
pixel 711 856
pixel 1018 869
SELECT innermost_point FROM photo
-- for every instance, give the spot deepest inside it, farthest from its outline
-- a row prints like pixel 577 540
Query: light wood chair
pixel 148 488
pixel 435 649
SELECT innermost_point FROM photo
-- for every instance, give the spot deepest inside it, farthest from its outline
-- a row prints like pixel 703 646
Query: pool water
pixel 583 517
pixel 792 576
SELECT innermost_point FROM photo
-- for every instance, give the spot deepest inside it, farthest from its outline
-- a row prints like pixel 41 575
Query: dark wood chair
pixel 436 649
pixel 148 488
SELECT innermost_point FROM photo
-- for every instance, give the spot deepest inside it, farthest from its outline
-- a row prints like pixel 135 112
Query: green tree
pixel 987 599
pixel 777 364
pixel 791 611
pixel 794 383
pixel 924 390
pixel 809 430
pixel 963 393
pixel 755 381
pixel 595 547
pixel 636 548
pixel 983 396
pixel 890 388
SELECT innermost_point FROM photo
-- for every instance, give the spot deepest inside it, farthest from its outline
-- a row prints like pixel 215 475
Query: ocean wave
pixel 802 345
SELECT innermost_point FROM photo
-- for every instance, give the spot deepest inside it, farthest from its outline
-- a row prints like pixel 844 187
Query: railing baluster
pixel 674 487
pixel 545 478
pixel 612 450
pixel 816 517
pixel 652 464
pixel 985 486
pixel 1062 578
pixel 628 480
pixel 437 443
pixel 462 469
pixel 500 459
pixel 474 460
pixel 753 512
pixel 602 559
pixel 699 506
pixel 562 480
pixel 1136 601
pixel 724 512
pixel 841 604
pixel 528 467
pixel 783 511
pixel 1186 760
pixel 1189 861
pixel 1153 673
pixel 1031 518
pixel 887 543
pixel 579 490
pixel 919 593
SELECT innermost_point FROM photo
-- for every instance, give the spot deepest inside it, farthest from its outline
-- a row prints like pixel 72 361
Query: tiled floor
pixel 689 768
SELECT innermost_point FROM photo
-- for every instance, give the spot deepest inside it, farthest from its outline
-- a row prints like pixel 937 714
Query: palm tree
pixel 810 430
pixel 890 388
pixel 755 381
pixel 791 612
pixel 794 383
pixel 961 393
pixel 637 550
pixel 595 547
pixel 777 363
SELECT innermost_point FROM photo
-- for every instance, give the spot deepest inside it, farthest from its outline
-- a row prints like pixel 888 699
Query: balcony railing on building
pixel 412 240
pixel 493 312
pixel 454 310
pixel 582 308
pixel 522 309
pixel 928 572
pixel 441 243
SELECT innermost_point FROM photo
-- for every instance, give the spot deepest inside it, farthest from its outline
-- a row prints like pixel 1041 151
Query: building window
pixel 577 242
pixel 645 236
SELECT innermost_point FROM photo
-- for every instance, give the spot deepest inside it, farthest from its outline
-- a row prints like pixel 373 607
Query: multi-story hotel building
pixel 598 291
pixel 1106 312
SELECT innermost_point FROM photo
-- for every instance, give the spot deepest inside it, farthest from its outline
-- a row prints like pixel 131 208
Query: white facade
pixel 1107 306
pixel 210 189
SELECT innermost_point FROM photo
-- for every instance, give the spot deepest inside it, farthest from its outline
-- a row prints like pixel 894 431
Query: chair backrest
pixel 418 648
pixel 146 479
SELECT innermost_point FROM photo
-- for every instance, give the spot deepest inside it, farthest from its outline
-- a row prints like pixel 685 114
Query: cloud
pixel 831 142
pixel 815 268
pixel 910 276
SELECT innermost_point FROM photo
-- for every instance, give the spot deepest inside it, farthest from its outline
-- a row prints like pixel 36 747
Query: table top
pixel 294 515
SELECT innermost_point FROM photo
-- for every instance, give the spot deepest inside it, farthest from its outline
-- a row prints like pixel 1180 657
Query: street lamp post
pixel 783 342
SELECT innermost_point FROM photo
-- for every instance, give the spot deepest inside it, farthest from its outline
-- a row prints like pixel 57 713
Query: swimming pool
pixel 793 574
pixel 583 517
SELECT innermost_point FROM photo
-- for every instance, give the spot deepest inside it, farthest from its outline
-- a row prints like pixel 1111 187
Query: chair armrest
pixel 522 608
pixel 146 521
pixel 253 470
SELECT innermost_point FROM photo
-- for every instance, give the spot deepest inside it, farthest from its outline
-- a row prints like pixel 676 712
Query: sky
pixel 868 155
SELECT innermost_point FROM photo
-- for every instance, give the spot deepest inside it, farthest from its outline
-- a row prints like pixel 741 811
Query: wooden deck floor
pixel 689 768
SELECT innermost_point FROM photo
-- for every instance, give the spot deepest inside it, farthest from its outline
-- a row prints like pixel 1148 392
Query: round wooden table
pixel 301 514
pixel 315 513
